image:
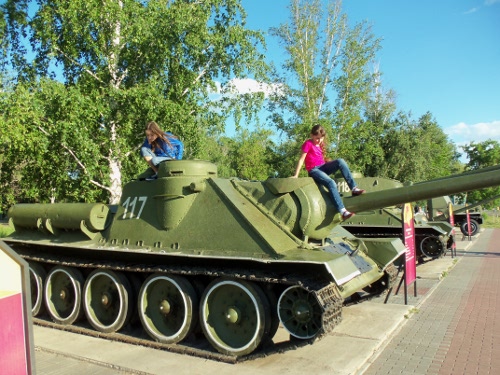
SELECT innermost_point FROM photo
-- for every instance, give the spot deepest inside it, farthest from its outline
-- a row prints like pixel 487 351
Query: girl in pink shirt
pixel 313 151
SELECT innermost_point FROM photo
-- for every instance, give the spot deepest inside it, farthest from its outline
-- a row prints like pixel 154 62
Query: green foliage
pixel 327 65
pixel 414 151
pixel 250 154
pixel 353 88
pixel 284 159
pixel 122 64
pixel 5 230
pixel 491 220
pixel 482 155
pixel 246 156
pixel 313 44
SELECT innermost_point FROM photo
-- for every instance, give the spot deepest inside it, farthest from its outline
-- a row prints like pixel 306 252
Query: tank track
pixel 330 299
pixel 326 293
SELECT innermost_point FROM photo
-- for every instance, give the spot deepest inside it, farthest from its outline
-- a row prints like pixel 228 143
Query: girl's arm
pixel 300 163
pixel 179 148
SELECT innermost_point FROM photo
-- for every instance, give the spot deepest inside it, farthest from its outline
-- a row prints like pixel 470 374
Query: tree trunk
pixel 115 188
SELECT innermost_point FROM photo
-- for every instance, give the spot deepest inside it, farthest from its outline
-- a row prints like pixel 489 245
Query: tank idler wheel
pixel 168 307
pixel 300 312
pixel 37 279
pixel 107 300
pixel 432 247
pixel 235 316
pixel 63 294
pixel 474 227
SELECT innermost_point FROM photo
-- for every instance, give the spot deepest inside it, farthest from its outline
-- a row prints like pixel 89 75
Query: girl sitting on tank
pixel 160 146
pixel 313 154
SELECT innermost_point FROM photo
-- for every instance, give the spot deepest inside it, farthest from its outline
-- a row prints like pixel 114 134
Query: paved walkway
pixel 455 330
pixel 451 330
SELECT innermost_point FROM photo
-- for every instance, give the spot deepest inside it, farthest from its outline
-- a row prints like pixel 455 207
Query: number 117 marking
pixel 130 204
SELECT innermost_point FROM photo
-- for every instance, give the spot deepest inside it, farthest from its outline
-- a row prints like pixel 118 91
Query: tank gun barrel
pixel 474 205
pixel 454 184
pixel 466 173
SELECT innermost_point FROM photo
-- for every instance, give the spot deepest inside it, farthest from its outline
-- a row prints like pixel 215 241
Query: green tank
pixel 206 265
pixel 432 238
pixel 439 211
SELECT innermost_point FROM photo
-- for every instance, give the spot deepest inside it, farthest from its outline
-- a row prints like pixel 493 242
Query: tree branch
pixel 80 65
pixel 78 161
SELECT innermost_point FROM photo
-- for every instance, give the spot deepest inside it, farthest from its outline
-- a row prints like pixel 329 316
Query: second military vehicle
pixel 432 238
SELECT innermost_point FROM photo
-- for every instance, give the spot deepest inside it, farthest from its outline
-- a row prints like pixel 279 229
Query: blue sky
pixel 439 56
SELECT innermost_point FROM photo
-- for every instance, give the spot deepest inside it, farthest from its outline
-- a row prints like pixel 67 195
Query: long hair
pixel 319 130
pixel 155 129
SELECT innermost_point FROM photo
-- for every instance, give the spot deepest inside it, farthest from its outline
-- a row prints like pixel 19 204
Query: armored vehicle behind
pixel 432 238
pixel 440 212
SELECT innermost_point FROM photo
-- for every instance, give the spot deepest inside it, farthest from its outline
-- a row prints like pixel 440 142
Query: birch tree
pixel 326 76
pixel 92 73
pixel 313 40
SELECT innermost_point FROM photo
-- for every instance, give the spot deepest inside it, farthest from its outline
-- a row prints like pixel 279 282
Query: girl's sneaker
pixel 346 215
pixel 357 191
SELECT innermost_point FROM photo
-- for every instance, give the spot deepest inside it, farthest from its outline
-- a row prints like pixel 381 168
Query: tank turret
pixel 191 251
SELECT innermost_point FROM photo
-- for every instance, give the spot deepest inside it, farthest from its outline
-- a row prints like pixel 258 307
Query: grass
pixel 411 312
pixel 5 229
pixel 491 219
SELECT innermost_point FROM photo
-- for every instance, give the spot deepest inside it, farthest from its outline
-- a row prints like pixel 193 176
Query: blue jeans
pixel 154 159
pixel 321 174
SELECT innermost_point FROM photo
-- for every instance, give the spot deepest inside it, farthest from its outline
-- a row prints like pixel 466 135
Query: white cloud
pixel 472 10
pixel 248 85
pixel 486 3
pixel 463 133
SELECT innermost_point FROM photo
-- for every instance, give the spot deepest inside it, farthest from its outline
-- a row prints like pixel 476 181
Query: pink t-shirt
pixel 314 155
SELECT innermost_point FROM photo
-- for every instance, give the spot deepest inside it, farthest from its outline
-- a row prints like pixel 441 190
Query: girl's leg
pixel 148 155
pixel 339 164
pixel 152 159
pixel 324 179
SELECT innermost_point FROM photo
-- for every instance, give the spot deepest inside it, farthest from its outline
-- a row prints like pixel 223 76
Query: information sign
pixel 16 335
pixel 468 223
pixel 452 223
pixel 409 241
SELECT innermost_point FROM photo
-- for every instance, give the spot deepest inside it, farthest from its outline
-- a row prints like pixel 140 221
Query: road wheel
pixel 168 307
pixel 107 300
pixel 432 247
pixel 474 227
pixel 234 316
pixel 300 312
pixel 63 294
pixel 37 279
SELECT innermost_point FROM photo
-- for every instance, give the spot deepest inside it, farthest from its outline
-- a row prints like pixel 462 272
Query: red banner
pixel 452 223
pixel 409 241
pixel 469 231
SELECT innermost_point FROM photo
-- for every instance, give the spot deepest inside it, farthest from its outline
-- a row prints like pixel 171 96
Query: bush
pixel 5 230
